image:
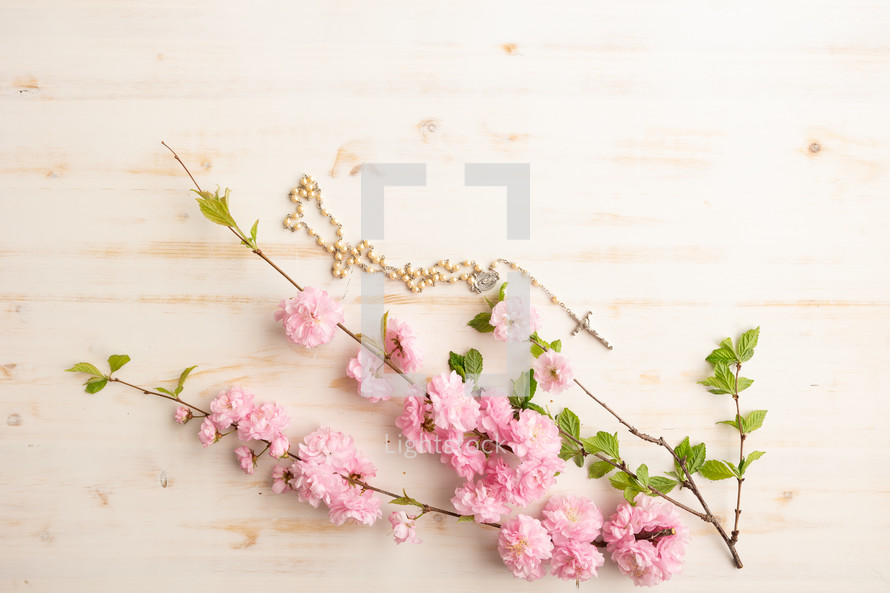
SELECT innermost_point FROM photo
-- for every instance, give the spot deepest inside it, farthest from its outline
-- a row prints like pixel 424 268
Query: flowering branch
pixel 216 209
pixel 351 479
pixel 686 478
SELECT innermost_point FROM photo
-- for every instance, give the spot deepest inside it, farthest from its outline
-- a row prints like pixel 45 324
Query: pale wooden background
pixel 674 192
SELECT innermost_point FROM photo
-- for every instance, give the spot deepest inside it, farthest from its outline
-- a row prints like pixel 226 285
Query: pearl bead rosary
pixel 364 256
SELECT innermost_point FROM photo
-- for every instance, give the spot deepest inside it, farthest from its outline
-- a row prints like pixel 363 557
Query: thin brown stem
pixel 742 435
pixel 176 156
pixel 155 393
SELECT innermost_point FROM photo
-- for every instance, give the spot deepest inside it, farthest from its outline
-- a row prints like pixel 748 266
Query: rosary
pixel 368 260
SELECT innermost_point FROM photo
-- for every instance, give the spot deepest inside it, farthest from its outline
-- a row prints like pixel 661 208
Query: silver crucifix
pixel 585 325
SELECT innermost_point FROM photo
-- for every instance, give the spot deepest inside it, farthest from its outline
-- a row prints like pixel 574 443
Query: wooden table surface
pixel 697 169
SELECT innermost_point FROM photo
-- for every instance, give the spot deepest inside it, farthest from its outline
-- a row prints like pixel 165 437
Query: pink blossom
pixel 534 436
pixel 636 559
pixel 484 503
pixel 359 465
pixel 572 518
pixel 326 446
pixel 208 434
pixel 367 369
pixel 514 320
pixel 263 423
pixel 453 406
pixel 183 414
pixel 230 407
pixel 281 477
pixel 524 546
pixel 316 483
pixel 403 528
pixel 416 422
pixel 279 445
pixel 355 506
pixel 534 477
pixel 553 372
pixel 500 478
pixel 310 318
pixel 400 344
pixel 495 416
pixel 246 458
pixel 653 558
pixel 575 560
pixel 464 456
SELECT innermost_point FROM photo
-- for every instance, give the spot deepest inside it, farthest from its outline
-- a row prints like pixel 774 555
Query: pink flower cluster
pixel 474 435
pixel 310 318
pixel 514 320
pixel 565 537
pixel 325 472
pixel 647 563
pixel 235 409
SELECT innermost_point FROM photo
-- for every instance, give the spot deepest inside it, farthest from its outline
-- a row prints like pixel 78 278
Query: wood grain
pixel 697 169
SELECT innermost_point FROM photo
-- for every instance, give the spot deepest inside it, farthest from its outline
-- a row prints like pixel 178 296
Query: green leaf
pixel 538 345
pixel 622 480
pixel 85 367
pixel 630 494
pixel 465 518
pixel 116 361
pixel 383 321
pixel 717 470
pixel 751 458
pixel 727 345
pixel 723 380
pixel 643 475
pixel 216 208
pixel 473 364
pixel 571 451
pixel 502 292
pixel 96 384
pixel 182 377
pixel 662 484
pixel 732 423
pixel 683 449
pixel 253 231
pixel 696 458
pixel 721 355
pixel 482 323
pixel 537 408
pixel 599 469
pixel 405 500
pixel 744 383
pixel 456 364
pixel 753 421
pixel 602 442
pixel 747 343
pixel 525 385
pixel 556 346
pixel 165 391
pixel 569 422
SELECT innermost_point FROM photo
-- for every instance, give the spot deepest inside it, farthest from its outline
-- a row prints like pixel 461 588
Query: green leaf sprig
pixel 725 381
